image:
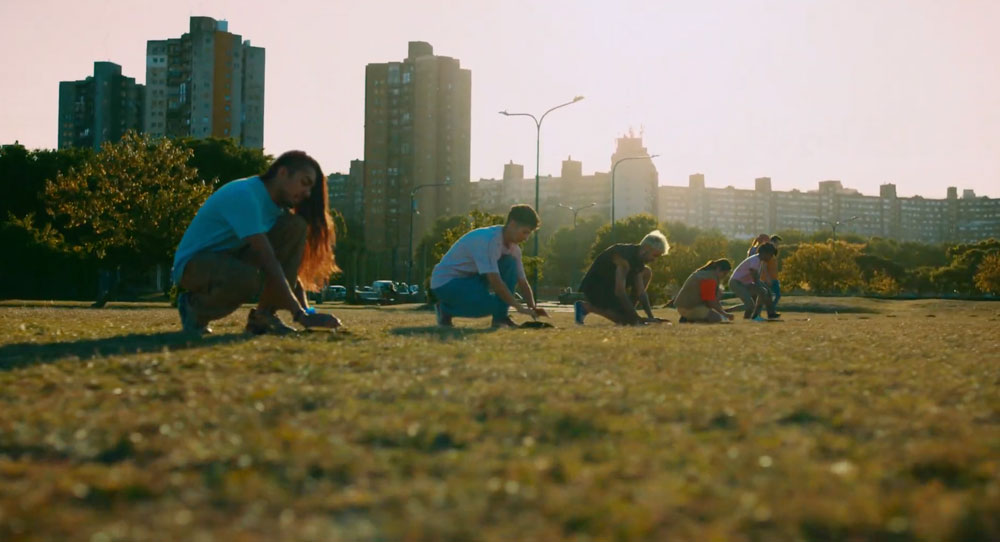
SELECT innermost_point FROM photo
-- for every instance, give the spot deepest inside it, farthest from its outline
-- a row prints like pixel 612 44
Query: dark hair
pixel 721 264
pixel 317 260
pixel 525 215
pixel 768 248
pixel 293 161
pixel 776 238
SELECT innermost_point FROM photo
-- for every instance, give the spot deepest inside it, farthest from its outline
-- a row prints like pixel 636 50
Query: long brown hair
pixel 317 261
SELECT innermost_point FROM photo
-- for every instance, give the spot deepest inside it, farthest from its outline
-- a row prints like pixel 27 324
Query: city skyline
pixel 897 92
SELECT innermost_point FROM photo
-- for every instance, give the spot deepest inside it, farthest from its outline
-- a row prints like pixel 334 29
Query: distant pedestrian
pixel 481 260
pixel 698 298
pixel 746 283
pixel 619 279
pixel 757 242
pixel 269 235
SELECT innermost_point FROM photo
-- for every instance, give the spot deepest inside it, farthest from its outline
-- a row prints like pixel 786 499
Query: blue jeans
pixel 776 291
pixel 470 297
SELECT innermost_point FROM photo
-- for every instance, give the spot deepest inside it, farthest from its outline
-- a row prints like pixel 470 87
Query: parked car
pixel 336 292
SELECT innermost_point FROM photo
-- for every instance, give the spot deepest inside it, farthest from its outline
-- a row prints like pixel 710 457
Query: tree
pixel 220 160
pixel 23 174
pixel 988 274
pixel 823 267
pixel 130 204
pixel 566 251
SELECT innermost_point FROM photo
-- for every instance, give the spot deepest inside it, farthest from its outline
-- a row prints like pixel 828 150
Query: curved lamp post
pixel 835 224
pixel 576 210
pixel 538 139
pixel 613 168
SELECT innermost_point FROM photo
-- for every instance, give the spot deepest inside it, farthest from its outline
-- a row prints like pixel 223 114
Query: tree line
pixel 70 216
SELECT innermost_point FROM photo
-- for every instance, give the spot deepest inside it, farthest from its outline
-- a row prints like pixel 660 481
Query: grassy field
pixel 851 420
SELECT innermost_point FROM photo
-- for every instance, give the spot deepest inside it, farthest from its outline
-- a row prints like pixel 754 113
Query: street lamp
pixel 836 224
pixel 413 210
pixel 538 147
pixel 613 168
pixel 576 210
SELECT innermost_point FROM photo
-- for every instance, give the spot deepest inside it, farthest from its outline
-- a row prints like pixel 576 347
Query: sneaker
pixel 683 320
pixel 579 312
pixel 774 316
pixel 759 319
pixel 443 318
pixel 260 322
pixel 504 322
pixel 189 321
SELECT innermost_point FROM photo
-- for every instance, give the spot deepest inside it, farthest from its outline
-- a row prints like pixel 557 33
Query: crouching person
pixel 698 298
pixel 618 280
pixel 482 260
pixel 748 285
pixel 268 235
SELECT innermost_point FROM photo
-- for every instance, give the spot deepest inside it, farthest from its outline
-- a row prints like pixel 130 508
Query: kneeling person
pixel 481 260
pixel 618 279
pixel 698 298
pixel 748 285
pixel 245 230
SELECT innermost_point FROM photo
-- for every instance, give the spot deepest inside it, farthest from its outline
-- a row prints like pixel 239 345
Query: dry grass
pixel 882 424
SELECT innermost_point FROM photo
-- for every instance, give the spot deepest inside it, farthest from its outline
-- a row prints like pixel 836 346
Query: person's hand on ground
pixel 540 311
pixel 656 320
pixel 527 311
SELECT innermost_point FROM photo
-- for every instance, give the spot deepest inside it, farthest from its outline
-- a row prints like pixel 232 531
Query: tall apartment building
pixel 417 132
pixel 739 213
pixel 346 193
pixel 206 83
pixel 635 180
pixel 100 108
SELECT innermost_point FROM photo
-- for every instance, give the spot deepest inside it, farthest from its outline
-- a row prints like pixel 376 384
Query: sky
pixel 865 92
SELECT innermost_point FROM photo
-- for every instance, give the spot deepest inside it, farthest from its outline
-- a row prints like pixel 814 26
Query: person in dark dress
pixel 618 279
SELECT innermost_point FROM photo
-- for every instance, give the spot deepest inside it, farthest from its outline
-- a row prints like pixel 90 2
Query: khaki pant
pixel 219 282
pixel 698 313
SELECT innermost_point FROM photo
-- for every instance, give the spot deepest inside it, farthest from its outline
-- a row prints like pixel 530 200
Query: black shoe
pixel 683 320
pixel 260 323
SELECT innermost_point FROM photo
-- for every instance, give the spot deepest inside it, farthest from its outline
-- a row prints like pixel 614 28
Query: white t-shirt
pixel 742 272
pixel 475 253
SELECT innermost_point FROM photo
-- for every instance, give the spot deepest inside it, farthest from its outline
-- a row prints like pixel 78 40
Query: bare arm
pixel 639 286
pixel 628 306
pixel 529 296
pixel 505 294
pixel 717 307
pixel 274 276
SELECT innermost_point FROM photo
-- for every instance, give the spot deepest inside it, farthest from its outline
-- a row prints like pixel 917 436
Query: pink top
pixel 742 272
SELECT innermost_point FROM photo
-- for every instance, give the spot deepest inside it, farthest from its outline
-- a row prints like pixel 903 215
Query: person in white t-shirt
pixel 482 260
pixel 746 283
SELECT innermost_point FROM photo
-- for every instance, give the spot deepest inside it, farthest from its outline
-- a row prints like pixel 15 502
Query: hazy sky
pixel 874 91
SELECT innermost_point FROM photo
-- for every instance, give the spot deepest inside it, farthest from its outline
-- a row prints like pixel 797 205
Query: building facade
pixel 417 132
pixel 206 83
pixel 634 186
pixel 740 213
pixel 100 108
pixel 346 193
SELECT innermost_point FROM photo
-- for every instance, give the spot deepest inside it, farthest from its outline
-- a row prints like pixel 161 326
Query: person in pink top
pixel 747 284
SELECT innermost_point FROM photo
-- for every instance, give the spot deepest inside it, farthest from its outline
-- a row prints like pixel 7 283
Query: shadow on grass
pixel 19 355
pixel 816 308
pixel 131 306
pixel 441 332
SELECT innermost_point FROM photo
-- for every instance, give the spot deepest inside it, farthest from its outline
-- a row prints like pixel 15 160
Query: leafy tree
pixel 823 267
pixel 566 251
pixel 882 283
pixel 220 160
pixel 130 205
pixel 988 274
pixel 23 174
pixel 45 266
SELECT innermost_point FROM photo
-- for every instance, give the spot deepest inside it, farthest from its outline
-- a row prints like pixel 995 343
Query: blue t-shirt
pixel 234 212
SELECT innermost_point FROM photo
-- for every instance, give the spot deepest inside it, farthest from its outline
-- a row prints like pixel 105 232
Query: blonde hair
pixel 657 240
